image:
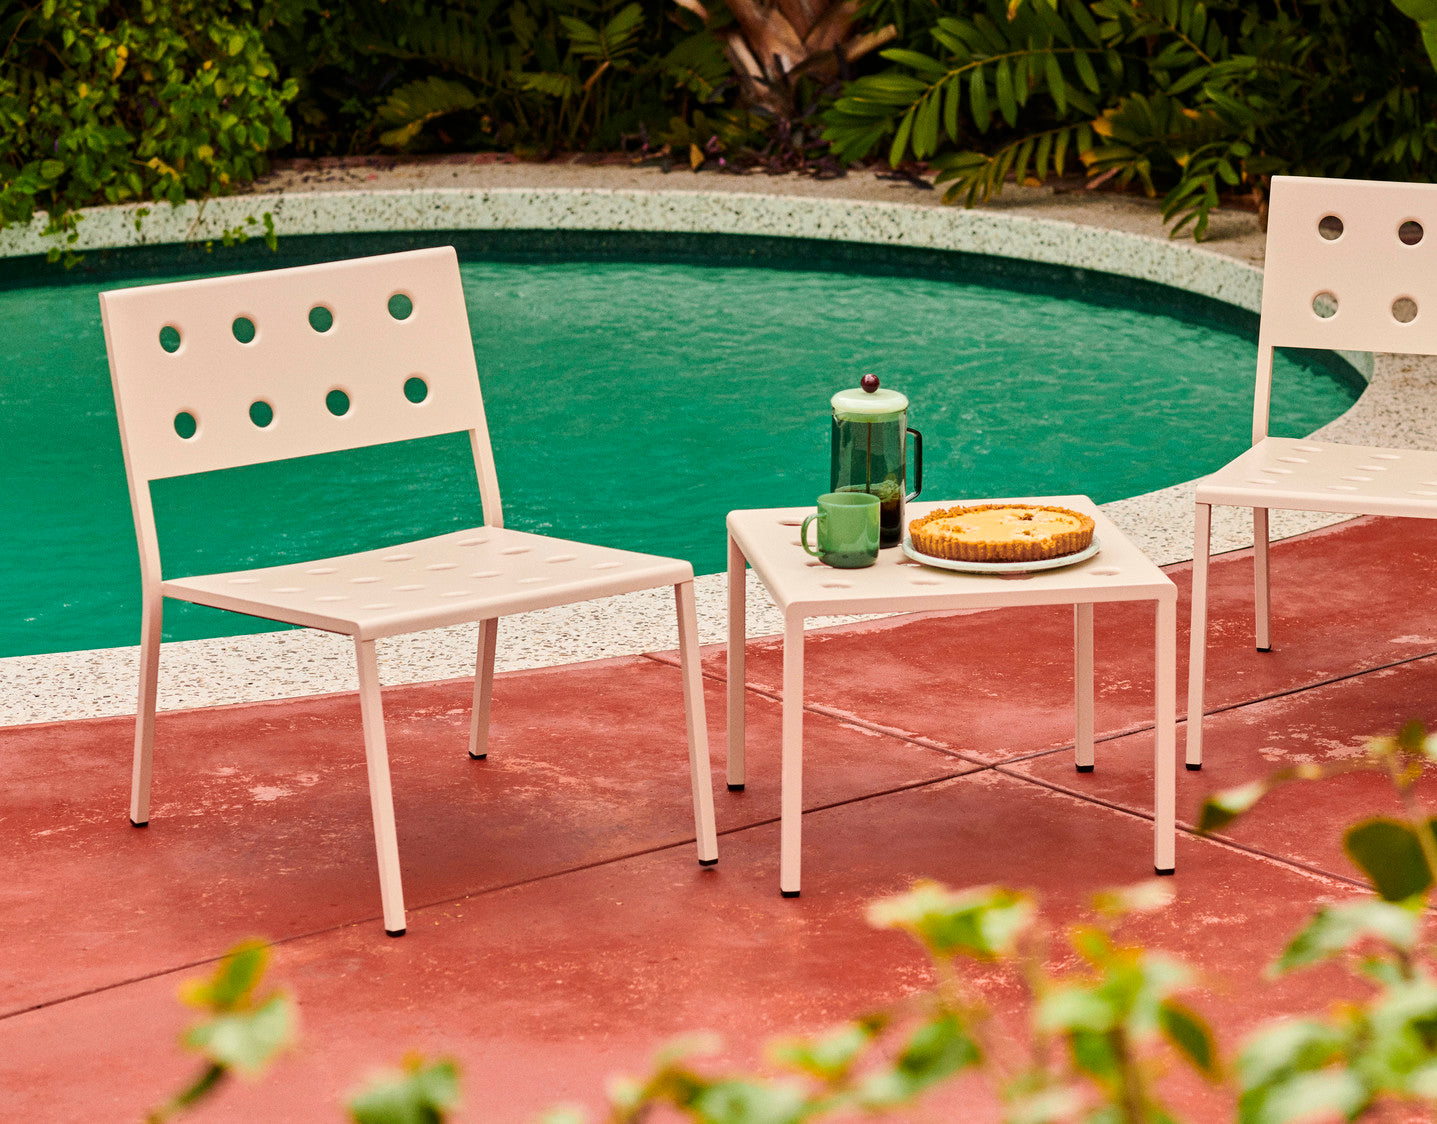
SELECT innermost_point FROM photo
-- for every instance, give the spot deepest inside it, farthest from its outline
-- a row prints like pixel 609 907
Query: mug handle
pixel 917 465
pixel 803 535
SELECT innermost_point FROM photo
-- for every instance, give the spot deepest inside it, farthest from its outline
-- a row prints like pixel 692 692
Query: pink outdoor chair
pixel 192 397
pixel 1351 266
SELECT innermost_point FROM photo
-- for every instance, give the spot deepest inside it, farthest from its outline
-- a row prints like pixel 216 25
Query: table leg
pixel 791 781
pixel 1165 738
pixel 1083 685
pixel 737 636
pixel 1197 658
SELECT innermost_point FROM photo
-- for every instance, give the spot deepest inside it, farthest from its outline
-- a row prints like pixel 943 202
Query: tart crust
pixel 1001 532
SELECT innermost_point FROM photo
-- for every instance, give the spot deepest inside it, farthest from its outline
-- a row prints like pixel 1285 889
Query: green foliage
pixel 1333 930
pixel 1364 1055
pixel 984 924
pixel 242 1030
pixel 1390 854
pixel 1194 98
pixel 108 102
pixel 418 1093
pixel 529 75
pixel 1425 13
pixel 1090 1054
pixel 1093 1032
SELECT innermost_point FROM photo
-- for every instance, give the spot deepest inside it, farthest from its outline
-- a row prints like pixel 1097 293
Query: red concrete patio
pixel 560 929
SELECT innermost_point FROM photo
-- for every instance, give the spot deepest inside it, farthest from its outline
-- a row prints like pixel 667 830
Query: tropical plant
pixel 774 45
pixel 109 102
pixel 1187 97
pixel 532 75
pixel 1425 13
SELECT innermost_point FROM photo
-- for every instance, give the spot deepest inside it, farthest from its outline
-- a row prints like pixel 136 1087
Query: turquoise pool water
pixel 637 391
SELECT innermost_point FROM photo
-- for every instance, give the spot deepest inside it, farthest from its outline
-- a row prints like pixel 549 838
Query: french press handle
pixel 917 465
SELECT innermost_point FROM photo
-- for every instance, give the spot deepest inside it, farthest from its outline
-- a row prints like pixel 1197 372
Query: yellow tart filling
pixel 1001 533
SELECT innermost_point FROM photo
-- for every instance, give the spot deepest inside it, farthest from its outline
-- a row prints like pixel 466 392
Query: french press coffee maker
pixel 870 428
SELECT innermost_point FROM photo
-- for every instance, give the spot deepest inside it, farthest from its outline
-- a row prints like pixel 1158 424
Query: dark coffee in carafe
pixel 869 452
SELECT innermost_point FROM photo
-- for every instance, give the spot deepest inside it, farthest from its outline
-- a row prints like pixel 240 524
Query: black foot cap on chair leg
pixel 1191 768
pixel 735 788
pixel 1084 768
pixel 394 933
pixel 1169 870
pixel 143 823
pixel 1267 649
pixel 478 756
pixel 708 862
pixel 789 893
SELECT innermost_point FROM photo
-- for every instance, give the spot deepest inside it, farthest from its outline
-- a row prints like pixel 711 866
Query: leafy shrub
pixel 1085 1051
pixel 1360 1058
pixel 532 76
pixel 243 1030
pixel 1184 96
pixel 1089 1045
pixel 113 102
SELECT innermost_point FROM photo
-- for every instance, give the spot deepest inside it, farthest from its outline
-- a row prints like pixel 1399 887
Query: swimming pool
pixel 638 387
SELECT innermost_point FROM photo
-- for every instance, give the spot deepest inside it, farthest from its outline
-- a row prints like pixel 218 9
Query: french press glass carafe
pixel 870 428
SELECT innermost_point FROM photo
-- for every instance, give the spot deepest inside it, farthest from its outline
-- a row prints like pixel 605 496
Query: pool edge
pixel 206 672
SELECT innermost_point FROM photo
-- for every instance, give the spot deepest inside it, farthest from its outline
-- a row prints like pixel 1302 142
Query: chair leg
pixel 151 616
pixel 1164 738
pixel 1262 592
pixel 1197 639
pixel 483 689
pixel 700 769
pixel 737 635
pixel 1083 686
pixel 381 798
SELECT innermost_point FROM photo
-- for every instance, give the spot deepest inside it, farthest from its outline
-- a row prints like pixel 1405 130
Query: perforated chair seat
pixel 431 583
pixel 1311 475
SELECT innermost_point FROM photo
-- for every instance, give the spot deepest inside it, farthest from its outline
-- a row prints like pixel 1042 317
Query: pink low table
pixel 802 587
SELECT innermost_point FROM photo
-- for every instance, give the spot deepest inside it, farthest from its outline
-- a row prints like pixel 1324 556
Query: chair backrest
pixel 1351 265
pixel 231 371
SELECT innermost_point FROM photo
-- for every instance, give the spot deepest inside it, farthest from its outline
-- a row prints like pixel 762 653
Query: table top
pixel 801 585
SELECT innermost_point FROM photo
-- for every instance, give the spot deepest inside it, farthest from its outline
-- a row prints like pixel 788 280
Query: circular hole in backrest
pixel 243 329
pixel 400 306
pixel 320 318
pixel 1325 305
pixel 261 413
pixel 1410 232
pixel 1330 227
pixel 337 402
pixel 186 425
pixel 170 338
pixel 1404 310
pixel 416 389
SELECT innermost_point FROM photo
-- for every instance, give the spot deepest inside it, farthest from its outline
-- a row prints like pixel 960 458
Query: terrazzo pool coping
pixel 1118 235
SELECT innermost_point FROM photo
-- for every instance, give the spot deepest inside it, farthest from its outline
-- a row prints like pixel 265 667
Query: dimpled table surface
pixel 802 587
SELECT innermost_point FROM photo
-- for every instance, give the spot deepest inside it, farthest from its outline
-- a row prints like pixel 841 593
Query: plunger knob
pixel 869 383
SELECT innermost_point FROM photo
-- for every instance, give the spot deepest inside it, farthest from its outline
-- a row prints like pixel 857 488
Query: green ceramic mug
pixel 847 530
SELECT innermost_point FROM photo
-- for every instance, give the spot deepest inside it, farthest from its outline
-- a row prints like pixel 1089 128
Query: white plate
pixel 999 567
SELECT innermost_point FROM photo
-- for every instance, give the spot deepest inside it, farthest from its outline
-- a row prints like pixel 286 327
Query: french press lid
pixel 861 404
